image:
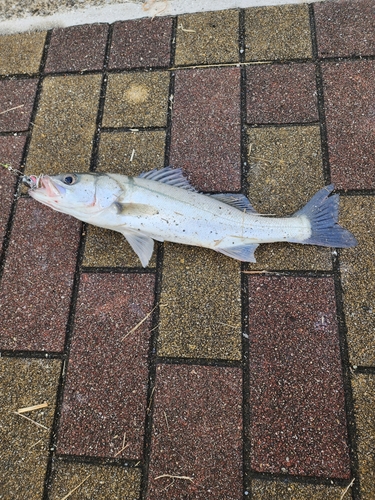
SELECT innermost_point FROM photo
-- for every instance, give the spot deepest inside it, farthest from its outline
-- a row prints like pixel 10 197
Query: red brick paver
pixel 79 48
pixel 345 28
pixel 11 150
pixel 38 278
pixel 281 93
pixel 210 155
pixel 17 101
pixel 105 396
pixel 296 391
pixel 196 439
pixel 141 43
pixel 349 89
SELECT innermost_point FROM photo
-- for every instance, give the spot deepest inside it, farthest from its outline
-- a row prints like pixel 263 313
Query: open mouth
pixel 44 184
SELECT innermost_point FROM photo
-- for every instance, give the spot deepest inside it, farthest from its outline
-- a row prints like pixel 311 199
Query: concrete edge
pixel 124 11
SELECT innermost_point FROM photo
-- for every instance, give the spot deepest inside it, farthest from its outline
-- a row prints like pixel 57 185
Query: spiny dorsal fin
pixel 168 175
pixel 237 201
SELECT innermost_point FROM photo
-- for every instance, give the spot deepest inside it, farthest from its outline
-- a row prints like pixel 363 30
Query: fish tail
pixel 323 211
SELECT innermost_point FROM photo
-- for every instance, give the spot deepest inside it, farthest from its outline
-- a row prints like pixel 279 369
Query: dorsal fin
pixel 237 201
pixel 168 175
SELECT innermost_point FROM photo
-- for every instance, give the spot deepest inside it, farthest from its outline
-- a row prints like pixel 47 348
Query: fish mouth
pixel 43 185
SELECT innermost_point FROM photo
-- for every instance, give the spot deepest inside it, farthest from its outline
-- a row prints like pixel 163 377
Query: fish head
pixel 80 195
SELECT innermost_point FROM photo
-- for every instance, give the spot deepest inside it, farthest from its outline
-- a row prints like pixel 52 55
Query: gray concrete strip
pixel 17 16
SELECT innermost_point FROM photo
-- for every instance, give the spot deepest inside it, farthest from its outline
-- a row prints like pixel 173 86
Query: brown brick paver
pixel 345 28
pixel 197 376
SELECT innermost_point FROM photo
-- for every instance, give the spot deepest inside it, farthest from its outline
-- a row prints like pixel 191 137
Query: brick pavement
pixel 197 376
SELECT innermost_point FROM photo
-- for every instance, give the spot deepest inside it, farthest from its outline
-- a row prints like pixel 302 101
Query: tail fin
pixel 322 212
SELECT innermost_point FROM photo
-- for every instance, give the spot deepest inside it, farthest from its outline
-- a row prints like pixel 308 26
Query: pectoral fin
pixel 142 245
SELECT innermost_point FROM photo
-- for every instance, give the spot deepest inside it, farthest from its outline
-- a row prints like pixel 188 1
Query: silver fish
pixel 162 205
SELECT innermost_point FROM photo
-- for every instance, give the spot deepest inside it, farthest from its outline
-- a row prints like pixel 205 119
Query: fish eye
pixel 69 179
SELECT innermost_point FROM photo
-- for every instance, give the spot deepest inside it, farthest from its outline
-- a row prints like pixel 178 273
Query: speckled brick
pixel 298 423
pixel 104 402
pixel 131 153
pixel 200 315
pixel 285 171
pixel 277 33
pixel 281 93
pixel 77 48
pixel 17 101
pixel 24 445
pixel 141 43
pixel 196 449
pixel 11 149
pixel 287 490
pixel 364 404
pixel 345 28
pixel 207 38
pixel 137 100
pixel 349 89
pixel 206 128
pixel 21 53
pixel 65 125
pixel 357 267
pixel 100 481
pixel 38 279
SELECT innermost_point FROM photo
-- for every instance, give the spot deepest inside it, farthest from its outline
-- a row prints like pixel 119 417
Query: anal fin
pixel 244 253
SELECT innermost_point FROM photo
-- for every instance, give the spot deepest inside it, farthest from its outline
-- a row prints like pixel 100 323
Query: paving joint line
pixel 364 370
pixel 296 479
pixel 118 270
pixel 245 162
pixel 355 192
pixel 64 365
pixel 148 425
pixel 18 183
pixel 102 95
pixel 151 382
pixel 219 362
pixel 351 425
pixel 320 100
pixel 252 125
pixel 8 353
pixel 97 461
pixel 117 130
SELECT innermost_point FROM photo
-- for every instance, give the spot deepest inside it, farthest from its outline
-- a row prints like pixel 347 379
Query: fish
pixel 162 205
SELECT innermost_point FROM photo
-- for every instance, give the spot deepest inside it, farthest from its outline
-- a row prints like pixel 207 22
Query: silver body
pixel 163 206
